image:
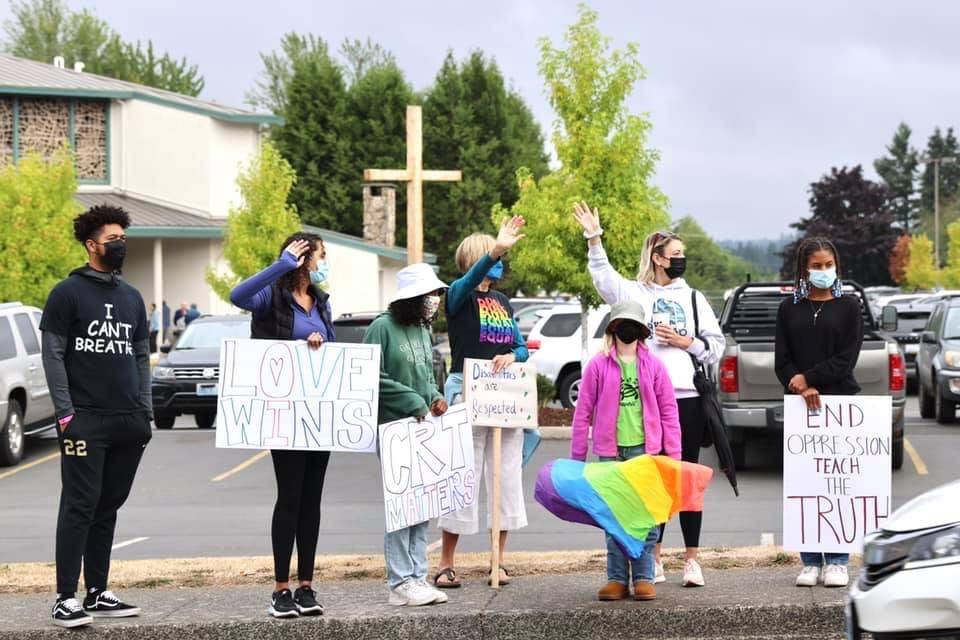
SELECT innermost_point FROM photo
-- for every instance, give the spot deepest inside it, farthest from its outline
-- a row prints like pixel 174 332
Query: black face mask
pixel 628 332
pixel 113 254
pixel 677 268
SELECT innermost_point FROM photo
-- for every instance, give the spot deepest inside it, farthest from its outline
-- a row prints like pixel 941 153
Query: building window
pixel 41 125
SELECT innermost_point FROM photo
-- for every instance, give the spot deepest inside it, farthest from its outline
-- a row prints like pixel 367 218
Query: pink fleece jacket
pixel 599 404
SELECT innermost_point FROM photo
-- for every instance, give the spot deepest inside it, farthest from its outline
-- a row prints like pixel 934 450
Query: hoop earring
pixel 837 288
pixel 802 291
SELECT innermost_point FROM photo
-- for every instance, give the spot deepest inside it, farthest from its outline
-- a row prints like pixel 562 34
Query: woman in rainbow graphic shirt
pixel 480 323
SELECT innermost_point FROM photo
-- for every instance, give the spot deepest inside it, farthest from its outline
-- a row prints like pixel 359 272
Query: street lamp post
pixel 936 200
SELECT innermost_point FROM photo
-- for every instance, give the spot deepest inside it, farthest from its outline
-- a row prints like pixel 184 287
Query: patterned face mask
pixel 431 305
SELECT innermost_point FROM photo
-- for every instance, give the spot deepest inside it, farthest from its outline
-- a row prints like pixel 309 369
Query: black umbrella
pixel 716 432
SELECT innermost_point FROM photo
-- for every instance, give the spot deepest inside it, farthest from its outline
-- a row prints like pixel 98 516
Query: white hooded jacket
pixel 671 303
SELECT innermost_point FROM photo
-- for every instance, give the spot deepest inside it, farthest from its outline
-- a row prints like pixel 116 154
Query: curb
pixel 556 433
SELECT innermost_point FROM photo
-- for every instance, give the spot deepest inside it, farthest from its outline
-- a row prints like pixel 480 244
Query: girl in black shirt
pixel 819 335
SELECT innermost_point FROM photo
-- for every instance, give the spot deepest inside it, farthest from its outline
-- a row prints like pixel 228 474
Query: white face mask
pixel 431 305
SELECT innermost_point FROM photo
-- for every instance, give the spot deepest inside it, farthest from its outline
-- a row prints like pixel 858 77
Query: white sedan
pixel 910 586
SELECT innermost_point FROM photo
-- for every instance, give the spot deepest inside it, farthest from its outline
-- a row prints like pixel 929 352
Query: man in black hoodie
pixel 96 356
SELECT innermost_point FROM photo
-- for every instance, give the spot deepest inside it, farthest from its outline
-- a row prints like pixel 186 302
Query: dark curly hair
pixel 806 248
pixel 409 312
pixel 291 281
pixel 95 218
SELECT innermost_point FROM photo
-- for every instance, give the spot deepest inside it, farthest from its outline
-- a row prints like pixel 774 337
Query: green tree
pixel 920 272
pixel 711 268
pixel 604 159
pixel 899 172
pixel 43 29
pixel 950 275
pixel 262 215
pixel 37 247
pixel 940 146
pixel 270 90
pixel 362 56
pixel 472 122
pixel 312 141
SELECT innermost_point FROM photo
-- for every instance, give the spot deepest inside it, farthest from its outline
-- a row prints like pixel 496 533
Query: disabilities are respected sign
pixel 836 471
pixel 281 394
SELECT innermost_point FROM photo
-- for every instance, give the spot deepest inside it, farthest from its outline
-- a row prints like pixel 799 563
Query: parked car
pixel 938 363
pixel 750 393
pixel 186 377
pixel 528 317
pixel 556 347
pixel 26 407
pixel 910 585
pixel 913 312
pixel 351 327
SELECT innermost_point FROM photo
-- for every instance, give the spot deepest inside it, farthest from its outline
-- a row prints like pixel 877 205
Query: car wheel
pixel 946 409
pixel 569 389
pixel 927 402
pixel 205 420
pixel 164 420
pixel 11 436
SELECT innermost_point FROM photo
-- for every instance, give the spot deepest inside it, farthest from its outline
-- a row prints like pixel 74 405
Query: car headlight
pixel 163 373
pixel 938 545
pixel 952 358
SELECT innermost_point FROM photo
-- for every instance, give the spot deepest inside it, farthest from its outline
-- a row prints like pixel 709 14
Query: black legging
pixel 296 515
pixel 692 423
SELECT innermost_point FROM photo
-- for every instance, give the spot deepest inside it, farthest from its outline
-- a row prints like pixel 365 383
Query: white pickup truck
pixel 750 393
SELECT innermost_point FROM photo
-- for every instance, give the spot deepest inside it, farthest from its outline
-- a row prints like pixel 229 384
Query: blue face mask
pixel 496 271
pixel 823 279
pixel 321 274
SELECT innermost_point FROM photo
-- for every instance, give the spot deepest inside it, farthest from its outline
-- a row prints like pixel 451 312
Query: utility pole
pixel 936 200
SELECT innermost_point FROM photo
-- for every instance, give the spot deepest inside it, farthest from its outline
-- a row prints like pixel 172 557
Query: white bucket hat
pixel 415 280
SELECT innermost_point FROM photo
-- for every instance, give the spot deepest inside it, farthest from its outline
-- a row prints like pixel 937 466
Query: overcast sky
pixel 750 100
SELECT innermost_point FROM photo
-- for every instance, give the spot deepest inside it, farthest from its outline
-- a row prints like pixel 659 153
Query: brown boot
pixel 644 591
pixel 613 591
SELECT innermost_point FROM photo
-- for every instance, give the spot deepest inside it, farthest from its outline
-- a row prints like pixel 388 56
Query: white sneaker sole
pixel 123 613
pixel 837 585
pixel 282 614
pixel 693 583
pixel 441 598
pixel 72 624
pixel 310 611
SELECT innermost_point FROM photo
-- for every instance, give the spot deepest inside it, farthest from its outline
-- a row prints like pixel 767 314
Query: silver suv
pixel 26 407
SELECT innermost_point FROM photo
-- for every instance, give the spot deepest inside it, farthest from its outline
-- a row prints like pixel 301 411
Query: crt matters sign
pixel 836 472
pixel 278 394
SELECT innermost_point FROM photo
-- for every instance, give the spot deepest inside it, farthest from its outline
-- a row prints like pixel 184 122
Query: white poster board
pixel 505 399
pixel 836 472
pixel 427 467
pixel 281 394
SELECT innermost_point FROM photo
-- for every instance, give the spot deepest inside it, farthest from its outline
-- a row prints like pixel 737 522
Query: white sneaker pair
pixel 416 593
pixel 692 574
pixel 834 575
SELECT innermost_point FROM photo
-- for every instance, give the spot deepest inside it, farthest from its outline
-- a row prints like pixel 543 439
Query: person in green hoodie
pixel 409 390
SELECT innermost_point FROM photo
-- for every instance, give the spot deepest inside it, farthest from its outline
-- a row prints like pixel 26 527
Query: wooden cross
pixel 414 175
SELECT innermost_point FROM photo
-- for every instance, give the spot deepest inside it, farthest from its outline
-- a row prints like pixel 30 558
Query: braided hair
pixel 806 248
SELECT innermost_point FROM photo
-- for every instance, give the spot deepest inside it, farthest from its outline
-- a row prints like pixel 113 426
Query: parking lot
pixel 193 500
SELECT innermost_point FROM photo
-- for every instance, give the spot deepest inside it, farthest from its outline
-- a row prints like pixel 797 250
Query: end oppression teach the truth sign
pixel 836 471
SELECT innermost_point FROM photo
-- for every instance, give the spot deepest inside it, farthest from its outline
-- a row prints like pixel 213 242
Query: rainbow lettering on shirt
pixel 496 325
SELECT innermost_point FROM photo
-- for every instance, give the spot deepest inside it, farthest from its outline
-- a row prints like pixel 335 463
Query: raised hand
pixel 298 249
pixel 509 235
pixel 586 217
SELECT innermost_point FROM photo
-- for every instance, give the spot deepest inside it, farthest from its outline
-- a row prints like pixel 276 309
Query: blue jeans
pixel 406 554
pixel 619 567
pixel 818 559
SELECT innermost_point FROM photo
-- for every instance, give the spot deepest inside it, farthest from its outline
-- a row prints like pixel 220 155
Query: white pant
pixel 513 511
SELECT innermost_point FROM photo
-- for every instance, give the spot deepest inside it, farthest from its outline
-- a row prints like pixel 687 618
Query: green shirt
pixel 630 418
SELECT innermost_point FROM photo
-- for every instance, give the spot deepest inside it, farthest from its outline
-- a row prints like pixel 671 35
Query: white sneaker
pixel 440 598
pixel 809 577
pixel 412 594
pixel 835 575
pixel 658 575
pixel 692 574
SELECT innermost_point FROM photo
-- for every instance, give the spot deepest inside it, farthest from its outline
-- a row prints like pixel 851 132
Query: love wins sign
pixel 280 394
pixel 507 398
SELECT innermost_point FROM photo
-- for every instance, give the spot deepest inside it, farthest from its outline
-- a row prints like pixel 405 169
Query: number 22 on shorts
pixel 74 447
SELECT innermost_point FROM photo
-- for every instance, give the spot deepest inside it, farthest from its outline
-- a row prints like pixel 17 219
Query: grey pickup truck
pixel 750 393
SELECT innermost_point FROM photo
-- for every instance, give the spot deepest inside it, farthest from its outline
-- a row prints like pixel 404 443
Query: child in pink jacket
pixel 627 396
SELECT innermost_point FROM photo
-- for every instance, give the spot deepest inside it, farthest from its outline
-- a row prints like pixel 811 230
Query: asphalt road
pixel 177 510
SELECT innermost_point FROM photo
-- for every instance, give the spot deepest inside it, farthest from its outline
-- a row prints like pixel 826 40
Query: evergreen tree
pixel 941 146
pixel 854 213
pixel 899 172
pixel 270 90
pixel 710 267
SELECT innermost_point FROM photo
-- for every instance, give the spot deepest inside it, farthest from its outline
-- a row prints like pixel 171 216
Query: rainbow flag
pixel 625 499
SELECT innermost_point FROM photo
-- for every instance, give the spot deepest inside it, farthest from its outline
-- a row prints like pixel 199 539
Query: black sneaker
pixel 103 604
pixel 282 605
pixel 306 600
pixel 68 614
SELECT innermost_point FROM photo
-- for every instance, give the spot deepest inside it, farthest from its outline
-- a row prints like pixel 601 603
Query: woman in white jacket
pixel 668 301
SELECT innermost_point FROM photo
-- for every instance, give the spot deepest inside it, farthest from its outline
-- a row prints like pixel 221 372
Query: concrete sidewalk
pixel 748 603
